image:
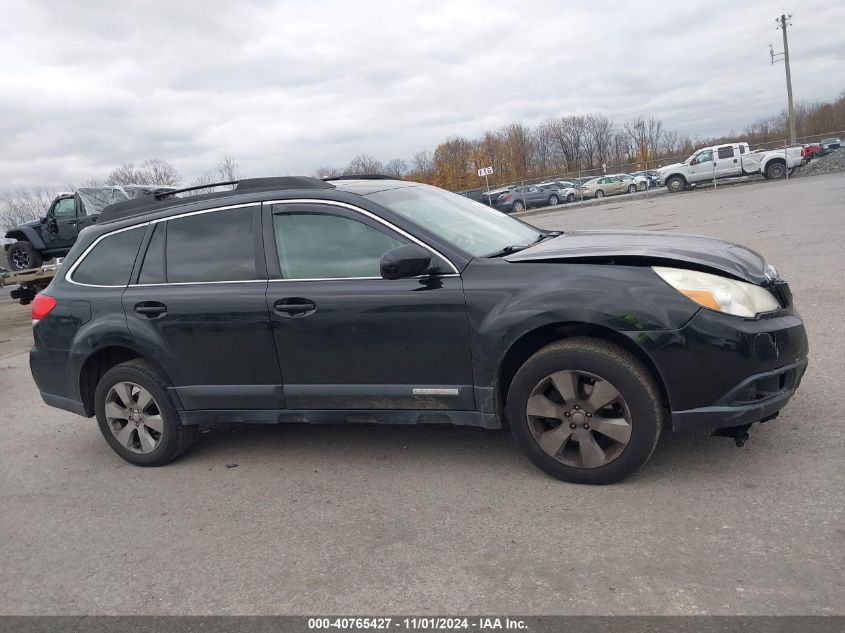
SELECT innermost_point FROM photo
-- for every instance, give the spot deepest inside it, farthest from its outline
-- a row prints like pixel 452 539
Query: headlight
pixel 719 293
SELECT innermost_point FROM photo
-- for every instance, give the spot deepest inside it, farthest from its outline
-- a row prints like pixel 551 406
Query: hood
pixel 668 168
pixel 652 248
pixel 29 225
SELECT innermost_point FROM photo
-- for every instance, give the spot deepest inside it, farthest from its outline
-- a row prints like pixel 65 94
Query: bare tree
pixel 363 164
pixel 422 166
pixel 152 171
pixel 326 172
pixel 395 167
pixel 24 205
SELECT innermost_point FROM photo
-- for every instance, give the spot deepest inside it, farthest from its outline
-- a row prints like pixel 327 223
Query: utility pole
pixel 782 22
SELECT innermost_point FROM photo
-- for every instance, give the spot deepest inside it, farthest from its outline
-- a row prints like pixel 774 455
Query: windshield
pixel 469 225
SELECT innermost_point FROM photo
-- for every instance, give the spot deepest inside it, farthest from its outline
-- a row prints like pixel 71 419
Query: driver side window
pixel 64 209
pixel 327 246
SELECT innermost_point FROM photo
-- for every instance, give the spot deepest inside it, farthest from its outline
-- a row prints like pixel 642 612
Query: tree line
pixel 569 145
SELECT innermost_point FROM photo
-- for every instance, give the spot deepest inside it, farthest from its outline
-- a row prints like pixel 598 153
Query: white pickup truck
pixel 731 159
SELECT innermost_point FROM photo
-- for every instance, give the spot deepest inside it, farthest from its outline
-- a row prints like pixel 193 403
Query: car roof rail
pixel 362 177
pixel 167 198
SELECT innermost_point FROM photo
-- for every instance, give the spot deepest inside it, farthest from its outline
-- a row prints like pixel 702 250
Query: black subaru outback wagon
pixel 377 300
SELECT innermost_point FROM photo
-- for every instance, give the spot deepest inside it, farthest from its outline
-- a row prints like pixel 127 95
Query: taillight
pixel 42 305
pixel 505 197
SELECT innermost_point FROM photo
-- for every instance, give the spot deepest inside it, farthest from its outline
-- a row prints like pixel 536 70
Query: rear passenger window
pixel 216 246
pixel 726 152
pixel 110 262
pixel 152 270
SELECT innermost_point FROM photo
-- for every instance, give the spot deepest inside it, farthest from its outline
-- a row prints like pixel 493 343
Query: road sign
pixel 485 171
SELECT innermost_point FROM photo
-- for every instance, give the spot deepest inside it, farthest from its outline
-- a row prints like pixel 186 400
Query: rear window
pixel 216 246
pixel 110 262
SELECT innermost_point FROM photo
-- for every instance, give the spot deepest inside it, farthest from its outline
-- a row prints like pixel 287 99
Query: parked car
pixel 526 196
pixel 606 186
pixel 483 196
pixel 364 300
pixel 640 182
pixel 828 144
pixel 565 192
pixel 811 151
pixel 54 234
pixel 729 160
pixel 651 176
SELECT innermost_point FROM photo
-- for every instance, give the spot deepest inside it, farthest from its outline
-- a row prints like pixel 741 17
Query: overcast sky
pixel 286 87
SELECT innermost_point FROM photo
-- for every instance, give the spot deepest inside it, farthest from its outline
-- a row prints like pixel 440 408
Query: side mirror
pixel 406 261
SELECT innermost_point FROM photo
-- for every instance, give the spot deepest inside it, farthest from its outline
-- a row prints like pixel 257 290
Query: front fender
pixel 27 234
pixel 506 301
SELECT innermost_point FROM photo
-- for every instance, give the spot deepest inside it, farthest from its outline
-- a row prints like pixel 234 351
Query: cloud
pixel 290 86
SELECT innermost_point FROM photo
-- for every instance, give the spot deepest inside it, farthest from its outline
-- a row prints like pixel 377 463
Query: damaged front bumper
pixel 758 398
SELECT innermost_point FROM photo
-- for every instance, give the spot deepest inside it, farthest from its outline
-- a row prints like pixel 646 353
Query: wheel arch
pixel 531 342
pixel 26 234
pixel 99 362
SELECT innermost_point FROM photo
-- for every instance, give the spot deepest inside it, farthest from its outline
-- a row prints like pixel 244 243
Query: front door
pixel 346 337
pixel 199 301
pixel 61 224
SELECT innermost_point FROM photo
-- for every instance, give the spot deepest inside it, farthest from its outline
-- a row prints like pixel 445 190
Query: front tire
pixel 137 417
pixel 23 256
pixel 553 200
pixel 632 188
pixel 585 411
pixel 570 197
pixel 675 184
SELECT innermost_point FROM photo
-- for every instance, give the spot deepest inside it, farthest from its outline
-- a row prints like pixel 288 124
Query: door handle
pixel 72 222
pixel 294 307
pixel 151 309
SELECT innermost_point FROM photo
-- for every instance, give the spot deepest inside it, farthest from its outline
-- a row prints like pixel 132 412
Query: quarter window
pixel 110 262
pixel 327 246
pixel 216 246
pixel 152 270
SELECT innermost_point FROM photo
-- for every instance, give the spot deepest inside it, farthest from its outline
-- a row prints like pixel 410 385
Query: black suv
pixel 378 300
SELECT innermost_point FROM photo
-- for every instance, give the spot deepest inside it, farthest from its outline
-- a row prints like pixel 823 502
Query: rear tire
pixel 675 184
pixel 599 193
pixel 602 362
pixel 141 426
pixel 776 170
pixel 23 256
pixel 517 206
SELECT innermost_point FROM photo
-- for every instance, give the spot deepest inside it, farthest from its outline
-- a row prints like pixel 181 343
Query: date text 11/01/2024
pixel 416 623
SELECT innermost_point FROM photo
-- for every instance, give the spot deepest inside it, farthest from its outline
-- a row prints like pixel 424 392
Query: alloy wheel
pixel 134 417
pixel 20 259
pixel 579 419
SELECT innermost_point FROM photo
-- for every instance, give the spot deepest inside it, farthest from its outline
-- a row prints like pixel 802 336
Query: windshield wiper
pixel 507 250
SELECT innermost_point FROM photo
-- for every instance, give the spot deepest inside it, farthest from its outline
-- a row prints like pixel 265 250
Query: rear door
pixel 727 162
pixel 198 302
pixel 346 337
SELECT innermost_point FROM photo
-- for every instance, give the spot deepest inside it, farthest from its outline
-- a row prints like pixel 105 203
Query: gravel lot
pixel 375 520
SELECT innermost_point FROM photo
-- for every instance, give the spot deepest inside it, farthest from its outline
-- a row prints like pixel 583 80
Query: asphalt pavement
pixel 371 520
